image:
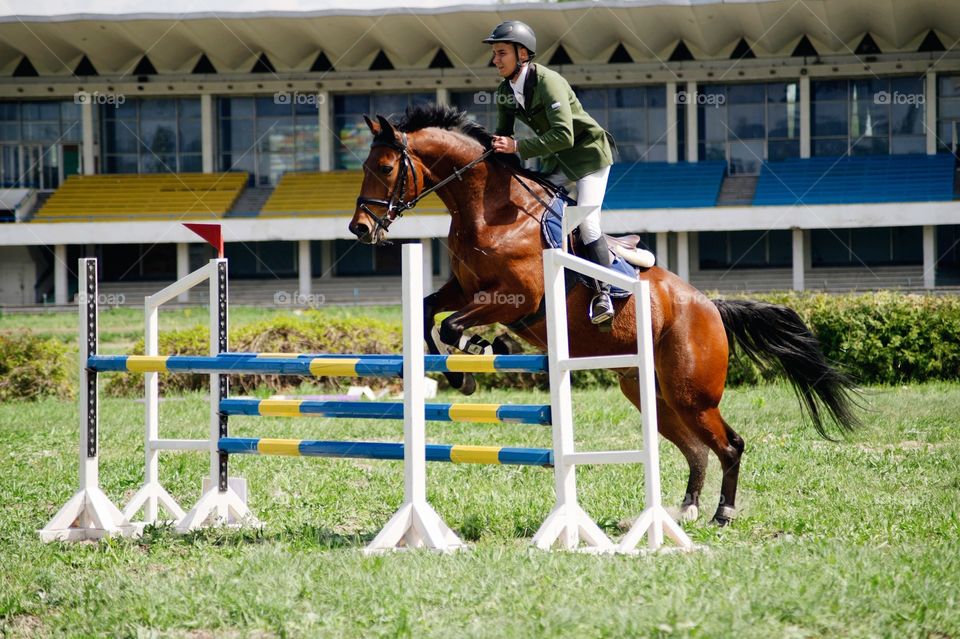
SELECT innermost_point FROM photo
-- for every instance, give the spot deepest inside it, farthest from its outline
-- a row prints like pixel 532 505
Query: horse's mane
pixel 451 118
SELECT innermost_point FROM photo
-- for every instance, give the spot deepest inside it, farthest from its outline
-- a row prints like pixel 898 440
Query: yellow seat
pixel 143 197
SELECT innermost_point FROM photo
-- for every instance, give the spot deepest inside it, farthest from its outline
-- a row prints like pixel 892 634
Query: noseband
pixel 395 204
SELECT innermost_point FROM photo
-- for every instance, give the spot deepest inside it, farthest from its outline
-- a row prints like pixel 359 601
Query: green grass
pixel 854 539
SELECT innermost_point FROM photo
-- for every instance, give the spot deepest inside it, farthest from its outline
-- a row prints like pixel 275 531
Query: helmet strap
pixel 520 63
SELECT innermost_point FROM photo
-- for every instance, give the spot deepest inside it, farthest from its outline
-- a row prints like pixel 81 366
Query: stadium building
pixel 763 144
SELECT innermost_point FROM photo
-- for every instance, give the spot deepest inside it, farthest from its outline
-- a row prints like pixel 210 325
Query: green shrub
pixel 32 367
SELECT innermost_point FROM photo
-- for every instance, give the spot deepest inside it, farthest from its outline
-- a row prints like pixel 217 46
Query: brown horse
pixel 496 246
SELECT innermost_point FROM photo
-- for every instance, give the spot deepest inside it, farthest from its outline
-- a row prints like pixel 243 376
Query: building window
pixel 948 113
pixel 352 137
pixel 39 143
pixel 266 136
pixel 877 246
pixel 635 116
pixel 747 124
pixel 875 116
pixel 745 249
pixel 152 136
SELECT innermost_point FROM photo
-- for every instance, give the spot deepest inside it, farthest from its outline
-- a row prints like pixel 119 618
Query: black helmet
pixel 516 32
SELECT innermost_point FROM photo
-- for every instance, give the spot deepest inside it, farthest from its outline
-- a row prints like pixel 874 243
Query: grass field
pixel 854 539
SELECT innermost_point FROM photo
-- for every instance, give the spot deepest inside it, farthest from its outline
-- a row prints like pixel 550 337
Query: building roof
pixel 589 32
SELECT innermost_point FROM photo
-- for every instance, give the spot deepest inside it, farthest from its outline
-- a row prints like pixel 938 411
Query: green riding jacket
pixel 568 138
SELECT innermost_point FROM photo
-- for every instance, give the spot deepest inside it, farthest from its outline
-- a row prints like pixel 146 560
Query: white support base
pixel 150 496
pixel 89 514
pixel 415 525
pixel 654 522
pixel 220 509
pixel 570 525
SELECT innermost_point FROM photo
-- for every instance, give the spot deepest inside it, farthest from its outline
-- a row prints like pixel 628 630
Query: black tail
pixel 769 335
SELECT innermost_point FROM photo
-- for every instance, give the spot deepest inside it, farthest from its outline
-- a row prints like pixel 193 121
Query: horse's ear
pixel 386 128
pixel 374 129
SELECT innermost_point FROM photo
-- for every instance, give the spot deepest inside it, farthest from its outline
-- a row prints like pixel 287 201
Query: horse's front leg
pixel 483 310
pixel 448 297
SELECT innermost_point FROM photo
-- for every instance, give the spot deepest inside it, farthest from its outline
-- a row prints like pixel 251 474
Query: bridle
pixel 394 203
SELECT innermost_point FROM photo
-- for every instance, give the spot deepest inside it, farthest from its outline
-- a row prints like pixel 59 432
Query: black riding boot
pixel 601 306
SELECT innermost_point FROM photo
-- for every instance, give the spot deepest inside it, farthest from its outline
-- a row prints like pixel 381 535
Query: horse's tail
pixel 776 335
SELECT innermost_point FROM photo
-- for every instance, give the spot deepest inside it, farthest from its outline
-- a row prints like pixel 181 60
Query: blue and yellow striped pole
pixel 385 450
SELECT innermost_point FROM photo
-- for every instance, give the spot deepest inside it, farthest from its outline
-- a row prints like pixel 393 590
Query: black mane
pixel 443 117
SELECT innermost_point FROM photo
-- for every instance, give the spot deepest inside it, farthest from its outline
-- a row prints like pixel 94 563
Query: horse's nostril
pixel 361 229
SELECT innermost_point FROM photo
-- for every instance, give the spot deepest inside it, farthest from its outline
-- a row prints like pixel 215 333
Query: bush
pixel 32 367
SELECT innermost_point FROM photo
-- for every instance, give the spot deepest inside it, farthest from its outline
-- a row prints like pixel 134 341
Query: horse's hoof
pixel 469 386
pixel 504 344
pixel 690 512
pixel 723 516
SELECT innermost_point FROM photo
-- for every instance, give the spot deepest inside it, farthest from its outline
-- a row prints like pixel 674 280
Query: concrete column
pixel 208 143
pixel 183 268
pixel 326 259
pixel 304 266
pixel 929 256
pixel 692 132
pixel 930 117
pixel 443 97
pixel 60 274
pixel 427 265
pixel 325 113
pixel 86 125
pixel 799 259
pixel 673 136
pixel 806 124
pixel 683 255
pixel 663 250
pixel 444 259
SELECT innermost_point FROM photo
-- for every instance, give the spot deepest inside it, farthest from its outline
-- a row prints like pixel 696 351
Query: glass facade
pixel 39 143
pixel 875 116
pixel 151 135
pixel 746 124
pixel 948 113
pixel 266 137
pixel 635 116
pixel 867 246
pixel 745 249
pixel 352 137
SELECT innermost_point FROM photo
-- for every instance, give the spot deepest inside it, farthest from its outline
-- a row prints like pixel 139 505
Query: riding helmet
pixel 516 32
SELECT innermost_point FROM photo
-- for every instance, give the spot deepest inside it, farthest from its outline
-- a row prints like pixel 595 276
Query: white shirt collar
pixel 517 85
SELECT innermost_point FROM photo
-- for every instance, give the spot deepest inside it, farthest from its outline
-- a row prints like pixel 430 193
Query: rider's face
pixel 505 58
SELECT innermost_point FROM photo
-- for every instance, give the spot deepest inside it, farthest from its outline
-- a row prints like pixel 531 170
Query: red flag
pixel 212 233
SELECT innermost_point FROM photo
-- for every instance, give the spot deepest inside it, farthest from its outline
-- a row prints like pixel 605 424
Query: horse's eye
pixel 385 169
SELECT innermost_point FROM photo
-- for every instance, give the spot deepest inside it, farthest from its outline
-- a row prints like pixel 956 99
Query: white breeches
pixel 588 191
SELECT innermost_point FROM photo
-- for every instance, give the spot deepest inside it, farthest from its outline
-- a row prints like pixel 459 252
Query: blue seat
pixel 856 180
pixel 654 185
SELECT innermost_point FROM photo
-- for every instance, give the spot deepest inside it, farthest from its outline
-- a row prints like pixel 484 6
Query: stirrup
pixel 601 308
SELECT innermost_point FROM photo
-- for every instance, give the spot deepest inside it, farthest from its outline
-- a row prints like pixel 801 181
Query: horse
pixel 496 245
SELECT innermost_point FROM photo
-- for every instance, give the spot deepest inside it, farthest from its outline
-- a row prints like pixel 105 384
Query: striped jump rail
pixel 313 365
pixel 385 450
pixel 460 412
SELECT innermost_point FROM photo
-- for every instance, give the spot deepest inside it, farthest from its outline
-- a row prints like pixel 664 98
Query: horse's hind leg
pixel 673 428
pixel 710 426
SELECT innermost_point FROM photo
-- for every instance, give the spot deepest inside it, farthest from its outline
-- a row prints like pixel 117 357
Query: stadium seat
pixel 327 193
pixel 160 196
pixel 856 180
pixel 654 185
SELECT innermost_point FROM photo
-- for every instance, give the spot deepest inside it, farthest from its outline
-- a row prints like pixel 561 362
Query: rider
pixel 574 147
